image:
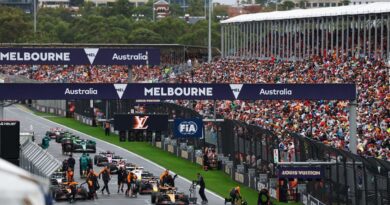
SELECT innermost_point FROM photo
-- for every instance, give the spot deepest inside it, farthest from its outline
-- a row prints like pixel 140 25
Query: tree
pixel 287 5
pixel 302 4
pixel 144 35
pixel 221 10
pixel 122 7
pixel 169 35
pixel 261 2
pixel 199 34
pixel 145 10
pixel 196 7
pixel 175 10
pixel 16 26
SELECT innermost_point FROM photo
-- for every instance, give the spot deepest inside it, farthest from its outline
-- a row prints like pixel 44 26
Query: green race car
pixel 83 145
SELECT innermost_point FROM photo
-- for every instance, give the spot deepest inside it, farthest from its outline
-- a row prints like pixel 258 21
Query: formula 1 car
pixel 54 132
pixel 64 135
pixel 138 172
pixel 64 191
pixel 57 178
pixel 83 145
pixel 116 164
pixel 167 194
pixel 148 183
pixel 67 145
pixel 104 158
pixel 170 196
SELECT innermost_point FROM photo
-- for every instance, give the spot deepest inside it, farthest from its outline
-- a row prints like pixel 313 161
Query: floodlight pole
pixel 209 46
pixel 205 8
pixel 35 16
pixel 352 127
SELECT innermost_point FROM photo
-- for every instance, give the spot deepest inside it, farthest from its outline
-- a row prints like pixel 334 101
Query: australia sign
pixel 79 56
pixel 166 91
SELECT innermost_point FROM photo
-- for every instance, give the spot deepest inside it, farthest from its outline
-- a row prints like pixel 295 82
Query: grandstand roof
pixel 379 7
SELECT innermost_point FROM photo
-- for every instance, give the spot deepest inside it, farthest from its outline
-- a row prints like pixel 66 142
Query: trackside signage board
pixel 162 91
pixel 187 128
pixel 301 172
pixel 79 56
pixel 140 122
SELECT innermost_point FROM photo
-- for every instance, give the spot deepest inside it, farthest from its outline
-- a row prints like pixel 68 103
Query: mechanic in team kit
pixel 235 194
pixel 71 162
pixel 105 173
pixel 93 184
pixel 83 165
pixel 69 175
pixel 131 182
pixel 122 178
pixel 163 176
pixel 202 187
pixel 65 165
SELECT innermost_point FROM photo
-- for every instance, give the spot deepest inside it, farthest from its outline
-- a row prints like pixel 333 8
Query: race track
pixel 41 125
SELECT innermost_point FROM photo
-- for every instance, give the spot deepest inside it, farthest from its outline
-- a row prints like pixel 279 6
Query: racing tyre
pixel 153 198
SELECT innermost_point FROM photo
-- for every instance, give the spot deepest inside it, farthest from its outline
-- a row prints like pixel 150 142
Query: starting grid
pixel 164 91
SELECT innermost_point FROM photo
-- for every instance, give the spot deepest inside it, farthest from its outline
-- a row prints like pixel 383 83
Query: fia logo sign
pixel 140 123
pixel 188 128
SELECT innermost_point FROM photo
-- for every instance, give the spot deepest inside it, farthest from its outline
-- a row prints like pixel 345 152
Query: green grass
pixel 216 181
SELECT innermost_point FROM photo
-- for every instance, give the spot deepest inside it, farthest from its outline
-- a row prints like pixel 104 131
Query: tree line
pixel 119 22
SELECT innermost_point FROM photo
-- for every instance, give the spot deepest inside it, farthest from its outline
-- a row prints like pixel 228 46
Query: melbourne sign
pixel 165 91
pixel 301 172
pixel 188 127
pixel 140 122
pixel 79 56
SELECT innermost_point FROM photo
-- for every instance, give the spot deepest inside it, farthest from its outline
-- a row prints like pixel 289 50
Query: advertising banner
pixel 79 56
pixel 140 122
pixel 301 172
pixel 164 91
pixel 185 128
pixel 297 92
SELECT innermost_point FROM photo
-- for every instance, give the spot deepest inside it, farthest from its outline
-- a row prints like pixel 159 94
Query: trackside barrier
pixel 37 161
pixel 310 200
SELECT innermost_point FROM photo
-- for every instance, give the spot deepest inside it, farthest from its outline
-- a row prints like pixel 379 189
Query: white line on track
pixel 157 165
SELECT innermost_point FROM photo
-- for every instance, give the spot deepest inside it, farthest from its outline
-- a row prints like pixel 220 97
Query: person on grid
pixel 105 173
pixel 202 185
pixel 107 128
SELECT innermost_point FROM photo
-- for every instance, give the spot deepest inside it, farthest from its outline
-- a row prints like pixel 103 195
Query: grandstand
pixel 298 34
pixel 346 44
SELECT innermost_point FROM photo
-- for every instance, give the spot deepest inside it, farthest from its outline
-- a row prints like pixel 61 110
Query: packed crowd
pixel 326 121
pixel 69 74
pixel 90 74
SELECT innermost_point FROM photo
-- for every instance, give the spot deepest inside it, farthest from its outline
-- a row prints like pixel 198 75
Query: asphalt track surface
pixel 40 125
